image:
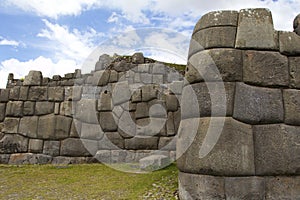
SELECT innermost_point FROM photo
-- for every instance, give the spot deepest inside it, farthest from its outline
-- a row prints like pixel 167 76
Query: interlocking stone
pixel 13 143
pixel 127 125
pixel 154 162
pixel 28 126
pixel 216 37
pixel 217 18
pixel 172 103
pixel 113 76
pixel 116 139
pixel 107 122
pixel 167 143
pixel 44 108
pixel 255 30
pixel 73 147
pixel 35 146
pixel 105 101
pixel 294 72
pixel 142 110
pixel 14 93
pixel 149 126
pixel 176 87
pixel 51 148
pixel 194 186
pixel 256 105
pixel 56 93
pixel 38 93
pixel 121 93
pixel 23 93
pixel 33 78
pixel 291 99
pixel 289 43
pixel 245 187
pixel 46 127
pixel 91 131
pixel 4 95
pixel 138 58
pixel 10 125
pixel 214 148
pixel 29 158
pixel 86 111
pixel 62 128
pixel 66 108
pixel 283 187
pixel 14 109
pixel 276 149
pixel 215 65
pixel 103 62
pixel 2 111
pixel 149 92
pixel 141 142
pixel 158 68
pixel 100 78
pixel 29 108
pixel 265 68
pixel 73 93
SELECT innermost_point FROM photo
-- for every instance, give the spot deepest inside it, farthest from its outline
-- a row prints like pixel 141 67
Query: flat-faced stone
pixel 23 93
pixel 121 93
pixel 107 122
pixel 46 127
pixel 29 108
pixel 14 109
pixel 100 78
pixel 91 131
pixel 291 99
pixel 281 188
pixel 35 146
pixel 73 147
pixel 14 93
pixel 217 148
pixel 62 128
pixel 2 111
pixel 86 111
pixel 33 78
pixel 294 67
pixel 256 105
pixel 56 93
pixel 44 108
pixel 38 93
pixel 277 149
pixel 28 126
pixel 105 101
pixel 255 30
pixel 289 43
pixel 13 143
pixel 141 142
pixel 10 125
pixel 4 95
pixel 142 110
pixel 149 126
pixel 265 68
pixel 51 147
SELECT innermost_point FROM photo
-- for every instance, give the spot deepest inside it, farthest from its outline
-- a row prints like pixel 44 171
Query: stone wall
pixel 124 110
pixel 255 154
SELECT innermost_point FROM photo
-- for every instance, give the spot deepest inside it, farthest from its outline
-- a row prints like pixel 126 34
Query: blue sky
pixel 59 36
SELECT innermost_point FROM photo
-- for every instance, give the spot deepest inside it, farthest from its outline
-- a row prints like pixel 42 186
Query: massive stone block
pixel 91 131
pixel 62 128
pixel 283 187
pixel 194 186
pixel 44 108
pixel 29 108
pixel 289 43
pixel 46 127
pixel 29 158
pixel 105 101
pixel 38 93
pixel 103 62
pixel 56 93
pixel 23 93
pixel 255 30
pixel 10 125
pixel 13 143
pixel 28 126
pixel 2 111
pixel 256 105
pixel 107 122
pixel 277 149
pixel 100 78
pixel 215 65
pixel 232 154
pixel 14 109
pixel 294 72
pixel 51 147
pixel 33 78
pixel 66 108
pixel 291 99
pixel 86 111
pixel 74 147
pixel 141 142
pixel 35 146
pixel 121 93
pixel 14 93
pixel 265 68
pixel 216 37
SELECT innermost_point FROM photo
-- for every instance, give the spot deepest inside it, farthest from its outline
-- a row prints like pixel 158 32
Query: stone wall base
pixel 196 186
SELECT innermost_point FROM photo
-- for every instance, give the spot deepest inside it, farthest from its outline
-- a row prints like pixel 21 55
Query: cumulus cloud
pixel 6 42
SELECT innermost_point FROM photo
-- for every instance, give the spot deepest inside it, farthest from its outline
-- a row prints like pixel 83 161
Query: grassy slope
pixel 93 181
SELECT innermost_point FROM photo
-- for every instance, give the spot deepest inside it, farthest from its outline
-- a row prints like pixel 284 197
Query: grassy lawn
pixel 87 181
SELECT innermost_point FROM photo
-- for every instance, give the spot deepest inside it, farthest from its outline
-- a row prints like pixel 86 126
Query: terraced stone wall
pixel 250 148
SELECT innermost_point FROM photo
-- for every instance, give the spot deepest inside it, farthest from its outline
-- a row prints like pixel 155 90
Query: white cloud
pixel 45 65
pixel 6 42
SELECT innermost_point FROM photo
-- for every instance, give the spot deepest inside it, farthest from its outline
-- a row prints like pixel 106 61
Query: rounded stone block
pixel 277 149
pixel 257 105
pixel 217 18
pixel 194 186
pixel 218 148
pixel 265 68
pixel 289 43
pixel 216 37
pixel 255 30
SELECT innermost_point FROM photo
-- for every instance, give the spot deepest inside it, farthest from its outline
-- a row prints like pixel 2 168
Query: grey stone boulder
pixel 103 62
pixel 13 143
pixel 294 72
pixel 296 25
pixel 154 162
pixel 73 147
pixel 289 43
pixel 138 58
pixel 33 78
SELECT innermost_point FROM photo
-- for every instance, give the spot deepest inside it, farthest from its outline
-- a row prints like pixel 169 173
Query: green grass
pixel 87 181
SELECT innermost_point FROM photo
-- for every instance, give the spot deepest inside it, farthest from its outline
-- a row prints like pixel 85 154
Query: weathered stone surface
pixel 121 93
pixel 14 109
pixel 105 101
pixel 157 108
pixel 75 128
pixel 176 87
pixel 276 149
pixel 29 158
pixel 142 110
pixel 4 95
pixel 91 131
pixel 136 96
pixel 73 93
pixel 51 148
pixel 245 187
pixel 107 122
pixel 289 43
pixel 4 158
pixel 23 93
pixel 103 62
pixel 227 150
pixel 101 78
pixel 35 146
pixel 158 68
pixel 44 108
pixel 122 66
pixel 170 125
pixel 28 108
pixel 291 99
pixel 154 162
pixel 140 142
pixel 194 186
pixel 127 125
pixel 62 128
pixel 10 125
pixel 213 99
pixel 28 126
pixel 86 111
pixel 217 18
pixel 138 58
pixel 167 143
pixel 33 78
pixel 149 92
pixel 296 25
pixel 66 108
pixel 114 138
pixel 73 147
pixel 46 127
pixel 113 76
pixel 265 68
pixel 13 143
pixel 172 103
pixel 149 126
pixel 14 93
pixel 280 188
pixel 255 30
pixel 255 105
pixel 103 156
pixel 2 111
pixel 56 93
pixel 216 37
pixel 38 93
pixel 294 72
